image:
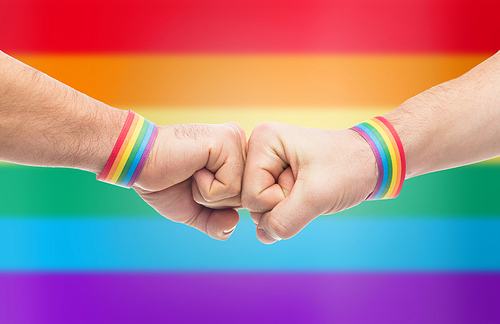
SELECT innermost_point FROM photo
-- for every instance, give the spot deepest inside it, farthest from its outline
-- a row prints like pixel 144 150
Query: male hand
pixel 294 174
pixel 193 176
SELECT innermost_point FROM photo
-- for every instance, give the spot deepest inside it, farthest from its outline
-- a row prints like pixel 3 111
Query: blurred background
pixel 75 250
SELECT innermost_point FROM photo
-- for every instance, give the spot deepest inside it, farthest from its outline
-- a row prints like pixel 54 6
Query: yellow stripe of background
pixel 249 117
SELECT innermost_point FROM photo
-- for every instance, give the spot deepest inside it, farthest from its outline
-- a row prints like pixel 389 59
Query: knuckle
pixel 281 227
pixel 263 128
pixel 228 131
pixel 207 197
pixel 198 199
pixel 239 130
pixel 264 134
pixel 249 201
pixel 234 189
pixel 199 194
pixel 192 220
pixel 211 230
pixel 238 170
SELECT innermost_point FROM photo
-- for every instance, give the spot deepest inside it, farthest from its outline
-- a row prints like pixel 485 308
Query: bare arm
pixel 295 174
pixel 452 124
pixel 44 122
pixel 192 175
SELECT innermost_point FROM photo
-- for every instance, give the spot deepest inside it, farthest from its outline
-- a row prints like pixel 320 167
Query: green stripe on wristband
pixel 389 153
pixel 130 152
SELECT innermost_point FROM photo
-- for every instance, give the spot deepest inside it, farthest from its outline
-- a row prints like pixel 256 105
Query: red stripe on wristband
pixel 118 145
pixel 401 152
pixel 144 157
pixel 130 151
pixel 388 150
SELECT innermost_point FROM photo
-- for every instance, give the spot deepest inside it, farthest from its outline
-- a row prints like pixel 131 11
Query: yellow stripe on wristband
pixel 394 160
pixel 129 148
pixel 130 151
pixel 389 153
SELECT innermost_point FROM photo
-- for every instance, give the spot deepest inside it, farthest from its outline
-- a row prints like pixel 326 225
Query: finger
pixel 256 217
pixel 286 181
pixel 176 203
pixel 261 192
pixel 274 194
pixel 222 176
pixel 233 202
pixel 240 132
pixel 212 189
pixel 217 223
pixel 289 216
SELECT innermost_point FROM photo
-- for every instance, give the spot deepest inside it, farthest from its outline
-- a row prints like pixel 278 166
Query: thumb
pixel 289 216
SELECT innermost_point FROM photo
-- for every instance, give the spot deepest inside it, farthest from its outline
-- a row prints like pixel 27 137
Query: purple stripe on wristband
pixel 377 156
pixel 144 157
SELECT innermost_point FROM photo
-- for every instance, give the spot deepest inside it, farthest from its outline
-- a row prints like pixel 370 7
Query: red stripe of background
pixel 249 26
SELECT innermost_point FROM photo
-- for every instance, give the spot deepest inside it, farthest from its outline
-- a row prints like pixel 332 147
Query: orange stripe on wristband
pixel 118 145
pixel 396 179
pixel 401 155
pixel 122 148
pixel 389 154
pixel 130 151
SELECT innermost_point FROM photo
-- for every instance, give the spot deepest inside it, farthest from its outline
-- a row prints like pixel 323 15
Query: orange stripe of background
pixel 252 80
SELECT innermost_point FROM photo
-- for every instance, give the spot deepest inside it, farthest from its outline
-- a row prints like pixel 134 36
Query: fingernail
pixel 229 231
pixel 265 238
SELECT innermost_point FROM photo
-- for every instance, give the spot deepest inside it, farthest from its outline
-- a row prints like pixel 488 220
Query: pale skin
pixel 192 175
pixel 294 174
pixel 285 175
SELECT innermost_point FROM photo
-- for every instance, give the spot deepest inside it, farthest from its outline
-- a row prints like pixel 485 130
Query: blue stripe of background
pixel 330 243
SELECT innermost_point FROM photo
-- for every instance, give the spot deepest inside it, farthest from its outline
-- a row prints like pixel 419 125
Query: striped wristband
pixel 130 152
pixel 388 150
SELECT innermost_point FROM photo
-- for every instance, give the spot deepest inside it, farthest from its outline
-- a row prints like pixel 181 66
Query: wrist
pixel 386 145
pixel 417 133
pixel 104 130
pixel 178 152
pixel 130 151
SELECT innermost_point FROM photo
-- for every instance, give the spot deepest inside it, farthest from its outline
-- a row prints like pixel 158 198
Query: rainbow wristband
pixel 388 150
pixel 130 152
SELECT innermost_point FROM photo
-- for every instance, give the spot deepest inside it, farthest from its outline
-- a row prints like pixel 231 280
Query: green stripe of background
pixel 52 192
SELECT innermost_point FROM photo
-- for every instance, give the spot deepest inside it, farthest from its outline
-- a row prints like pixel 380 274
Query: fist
pixel 193 176
pixel 294 174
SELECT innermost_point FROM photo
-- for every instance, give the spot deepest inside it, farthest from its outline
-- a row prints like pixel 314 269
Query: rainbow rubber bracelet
pixel 130 152
pixel 390 156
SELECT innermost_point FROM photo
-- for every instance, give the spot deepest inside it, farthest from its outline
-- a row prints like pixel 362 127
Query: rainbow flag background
pixel 75 250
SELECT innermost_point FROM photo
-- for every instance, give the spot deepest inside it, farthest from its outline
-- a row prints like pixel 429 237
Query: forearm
pixel 44 122
pixel 452 124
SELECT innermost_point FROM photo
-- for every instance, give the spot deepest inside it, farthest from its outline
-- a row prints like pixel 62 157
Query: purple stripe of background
pixel 250 298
